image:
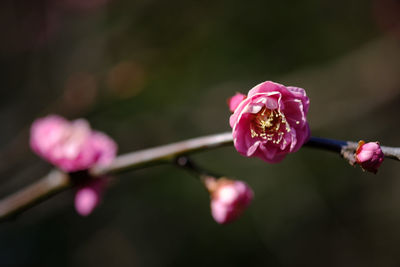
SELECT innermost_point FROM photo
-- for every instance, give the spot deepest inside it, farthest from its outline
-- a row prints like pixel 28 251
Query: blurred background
pixel 152 72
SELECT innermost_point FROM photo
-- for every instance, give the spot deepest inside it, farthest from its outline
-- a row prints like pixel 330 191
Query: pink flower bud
pixel 271 122
pixel 235 100
pixel 229 199
pixel 71 146
pixel 88 196
pixel 86 199
pixel 369 156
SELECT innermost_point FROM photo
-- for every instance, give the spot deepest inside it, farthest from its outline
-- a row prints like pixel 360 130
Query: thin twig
pixel 57 181
pixel 52 183
pixel 163 154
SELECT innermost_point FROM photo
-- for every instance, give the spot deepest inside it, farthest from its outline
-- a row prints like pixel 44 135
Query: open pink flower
pixel 71 146
pixel 229 198
pixel 271 122
pixel 369 156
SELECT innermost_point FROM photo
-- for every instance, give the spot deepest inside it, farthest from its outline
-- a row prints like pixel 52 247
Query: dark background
pixel 152 72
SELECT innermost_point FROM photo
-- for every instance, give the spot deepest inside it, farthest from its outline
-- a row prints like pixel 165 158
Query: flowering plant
pixel 269 122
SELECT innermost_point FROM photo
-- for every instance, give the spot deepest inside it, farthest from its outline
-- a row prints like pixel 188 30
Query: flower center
pixel 270 125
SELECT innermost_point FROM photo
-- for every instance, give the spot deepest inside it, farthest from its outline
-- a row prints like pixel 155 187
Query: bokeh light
pixel 126 79
pixel 387 15
pixel 81 90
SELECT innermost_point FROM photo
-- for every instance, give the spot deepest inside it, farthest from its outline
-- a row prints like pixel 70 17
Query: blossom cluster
pixel 74 146
pixel 269 123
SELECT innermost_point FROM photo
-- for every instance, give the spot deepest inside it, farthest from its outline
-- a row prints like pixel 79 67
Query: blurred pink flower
pixel 229 198
pixel 369 156
pixel 71 146
pixel 271 122
pixel 88 196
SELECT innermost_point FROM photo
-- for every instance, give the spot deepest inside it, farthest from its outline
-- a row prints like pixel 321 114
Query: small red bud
pixel 234 101
pixel 369 156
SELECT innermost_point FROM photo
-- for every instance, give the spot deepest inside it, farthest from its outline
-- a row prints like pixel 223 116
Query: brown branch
pixel 391 152
pixel 57 181
pixel 27 197
pixel 164 153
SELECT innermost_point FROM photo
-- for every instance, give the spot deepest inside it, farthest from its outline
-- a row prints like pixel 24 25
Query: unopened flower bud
pixel 229 198
pixel 369 156
pixel 88 196
pixel 235 100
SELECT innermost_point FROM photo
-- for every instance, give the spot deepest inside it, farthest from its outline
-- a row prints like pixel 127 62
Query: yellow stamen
pixel 267 125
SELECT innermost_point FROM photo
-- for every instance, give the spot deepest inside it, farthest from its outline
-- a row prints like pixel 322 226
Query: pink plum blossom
pixel 271 122
pixel 71 146
pixel 369 156
pixel 229 198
